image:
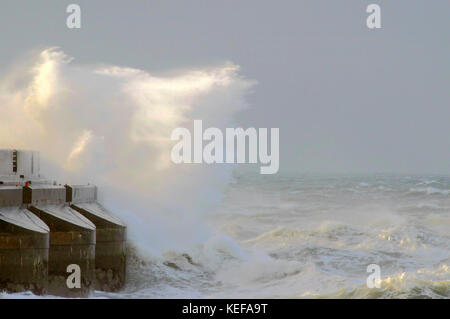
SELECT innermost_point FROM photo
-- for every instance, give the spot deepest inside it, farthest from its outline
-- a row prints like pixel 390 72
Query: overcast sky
pixel 345 98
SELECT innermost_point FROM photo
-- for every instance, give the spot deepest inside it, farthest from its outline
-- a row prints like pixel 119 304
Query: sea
pixel 309 236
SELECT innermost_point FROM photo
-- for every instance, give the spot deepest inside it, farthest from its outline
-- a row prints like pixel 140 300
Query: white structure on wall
pixel 17 165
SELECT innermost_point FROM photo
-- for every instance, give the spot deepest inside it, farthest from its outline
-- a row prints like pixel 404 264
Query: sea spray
pixel 111 125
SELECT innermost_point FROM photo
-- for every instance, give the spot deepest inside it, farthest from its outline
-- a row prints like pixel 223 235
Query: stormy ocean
pixel 197 231
pixel 308 236
pixel 312 236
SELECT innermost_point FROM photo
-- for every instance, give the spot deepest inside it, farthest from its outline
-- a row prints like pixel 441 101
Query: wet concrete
pixel 72 241
pixel 24 251
pixel 110 257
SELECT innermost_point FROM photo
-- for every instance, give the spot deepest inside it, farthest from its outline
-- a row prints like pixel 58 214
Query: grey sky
pixel 345 98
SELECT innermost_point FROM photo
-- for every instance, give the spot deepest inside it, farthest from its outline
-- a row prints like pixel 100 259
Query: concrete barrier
pixel 44 228
pixel 24 245
pixel 10 196
pixel 81 193
pixel 43 194
pixel 72 239
pixel 110 257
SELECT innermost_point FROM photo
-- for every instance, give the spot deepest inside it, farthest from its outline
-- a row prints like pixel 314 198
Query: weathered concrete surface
pixel 24 251
pixel 40 242
pixel 81 193
pixel 10 196
pixel 110 257
pixel 72 241
pixel 43 194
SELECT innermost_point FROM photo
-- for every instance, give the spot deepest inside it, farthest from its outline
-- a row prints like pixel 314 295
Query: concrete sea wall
pixel 46 228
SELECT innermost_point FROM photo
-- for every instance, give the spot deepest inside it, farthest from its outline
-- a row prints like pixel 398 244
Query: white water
pixel 311 236
pixel 196 231
pixel 111 125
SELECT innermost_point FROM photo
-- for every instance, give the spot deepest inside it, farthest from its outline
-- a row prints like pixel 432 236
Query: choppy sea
pixel 310 236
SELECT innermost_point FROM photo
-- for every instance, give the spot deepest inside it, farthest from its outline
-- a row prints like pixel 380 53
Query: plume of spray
pixel 111 126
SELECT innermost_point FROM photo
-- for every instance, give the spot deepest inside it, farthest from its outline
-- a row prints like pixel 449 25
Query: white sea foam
pixel 430 190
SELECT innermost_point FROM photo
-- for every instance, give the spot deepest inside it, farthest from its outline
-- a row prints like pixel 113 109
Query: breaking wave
pixel 199 231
